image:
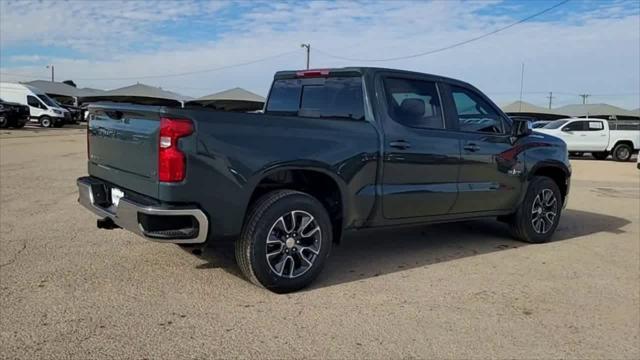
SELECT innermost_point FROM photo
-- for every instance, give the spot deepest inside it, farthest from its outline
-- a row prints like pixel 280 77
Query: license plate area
pixel 116 195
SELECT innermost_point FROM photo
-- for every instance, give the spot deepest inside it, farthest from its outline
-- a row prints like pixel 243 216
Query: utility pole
pixel 308 47
pixel 52 72
pixel 550 97
pixel 521 86
pixel 584 98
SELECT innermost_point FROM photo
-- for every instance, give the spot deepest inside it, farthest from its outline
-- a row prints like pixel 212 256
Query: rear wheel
pixel 600 155
pixel 539 214
pixel 46 122
pixel 3 122
pixel 622 152
pixel 285 241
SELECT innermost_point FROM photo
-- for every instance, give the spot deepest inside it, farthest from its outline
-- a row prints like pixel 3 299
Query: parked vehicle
pixel 594 136
pixel 335 151
pixel 42 108
pixel 13 114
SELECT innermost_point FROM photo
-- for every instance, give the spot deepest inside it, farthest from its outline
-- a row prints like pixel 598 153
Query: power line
pixel 174 74
pixel 452 45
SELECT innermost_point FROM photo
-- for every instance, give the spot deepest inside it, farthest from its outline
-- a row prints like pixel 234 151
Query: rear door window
pixel 320 98
pixel 595 126
pixel 414 103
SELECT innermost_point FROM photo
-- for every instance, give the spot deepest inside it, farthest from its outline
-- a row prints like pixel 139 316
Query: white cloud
pixel 595 52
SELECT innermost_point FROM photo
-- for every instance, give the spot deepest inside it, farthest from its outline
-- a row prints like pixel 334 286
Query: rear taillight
pixel 171 161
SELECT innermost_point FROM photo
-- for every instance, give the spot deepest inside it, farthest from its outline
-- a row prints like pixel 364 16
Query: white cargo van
pixel 43 109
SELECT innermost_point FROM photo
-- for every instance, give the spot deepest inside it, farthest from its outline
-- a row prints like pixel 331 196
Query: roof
pixel 236 99
pixel 55 88
pixel 138 93
pixel 143 90
pixel 525 107
pixel 238 94
pixel 594 109
pixel 90 91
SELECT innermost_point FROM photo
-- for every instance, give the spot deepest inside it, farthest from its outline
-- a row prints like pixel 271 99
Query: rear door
pixel 597 138
pixel 421 157
pixel 490 169
pixel 123 145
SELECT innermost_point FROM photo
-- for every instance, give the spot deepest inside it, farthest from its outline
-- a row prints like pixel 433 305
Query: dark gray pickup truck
pixel 335 150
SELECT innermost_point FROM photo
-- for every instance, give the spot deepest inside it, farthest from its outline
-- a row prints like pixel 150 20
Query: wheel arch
pixel 317 181
pixel 558 172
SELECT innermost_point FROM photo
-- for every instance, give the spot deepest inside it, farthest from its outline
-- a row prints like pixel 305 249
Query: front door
pixel 490 176
pixel 421 157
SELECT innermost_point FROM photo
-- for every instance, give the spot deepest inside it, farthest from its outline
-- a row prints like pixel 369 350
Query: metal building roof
pixel 236 99
pixel 594 109
pixel 55 88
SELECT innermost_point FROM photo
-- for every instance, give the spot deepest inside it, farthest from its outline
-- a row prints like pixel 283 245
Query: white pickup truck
pixel 594 136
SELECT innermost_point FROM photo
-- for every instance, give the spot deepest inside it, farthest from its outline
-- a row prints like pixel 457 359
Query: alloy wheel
pixel 544 211
pixel 293 244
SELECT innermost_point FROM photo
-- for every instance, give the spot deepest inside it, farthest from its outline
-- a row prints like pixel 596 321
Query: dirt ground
pixel 69 290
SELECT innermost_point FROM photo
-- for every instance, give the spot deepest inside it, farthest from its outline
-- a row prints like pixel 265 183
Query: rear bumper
pixel 129 214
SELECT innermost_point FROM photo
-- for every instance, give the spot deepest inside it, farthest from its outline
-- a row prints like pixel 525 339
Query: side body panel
pixel 235 151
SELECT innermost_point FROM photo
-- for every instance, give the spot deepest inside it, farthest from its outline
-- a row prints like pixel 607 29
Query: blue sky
pixel 580 47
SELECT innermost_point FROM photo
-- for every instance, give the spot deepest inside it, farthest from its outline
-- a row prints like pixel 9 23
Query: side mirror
pixel 521 127
pixel 565 129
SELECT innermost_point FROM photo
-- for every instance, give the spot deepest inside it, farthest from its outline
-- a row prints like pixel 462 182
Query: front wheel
pixel 622 152
pixel 539 214
pixel 285 241
pixel 46 122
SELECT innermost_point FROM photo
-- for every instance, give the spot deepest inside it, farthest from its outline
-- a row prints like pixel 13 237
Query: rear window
pixel 337 97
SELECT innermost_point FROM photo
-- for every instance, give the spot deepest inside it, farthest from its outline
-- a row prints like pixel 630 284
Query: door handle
pixel 400 144
pixel 471 147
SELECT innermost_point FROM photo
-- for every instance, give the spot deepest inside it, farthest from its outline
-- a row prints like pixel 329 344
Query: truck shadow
pixel 374 253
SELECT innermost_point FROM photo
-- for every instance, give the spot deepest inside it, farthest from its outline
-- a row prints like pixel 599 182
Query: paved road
pixel 68 290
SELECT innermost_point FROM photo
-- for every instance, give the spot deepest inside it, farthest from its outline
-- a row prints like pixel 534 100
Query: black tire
pixel 267 219
pixel 58 123
pixel 19 125
pixel 522 222
pixel 600 155
pixel 4 122
pixel 46 122
pixel 622 152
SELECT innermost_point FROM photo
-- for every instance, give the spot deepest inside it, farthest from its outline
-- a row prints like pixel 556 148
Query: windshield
pixel 555 124
pixel 47 100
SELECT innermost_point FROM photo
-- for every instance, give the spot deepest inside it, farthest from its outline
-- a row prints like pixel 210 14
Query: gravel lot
pixel 69 290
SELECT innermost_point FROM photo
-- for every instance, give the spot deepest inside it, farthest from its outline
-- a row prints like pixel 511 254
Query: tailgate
pixel 123 145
